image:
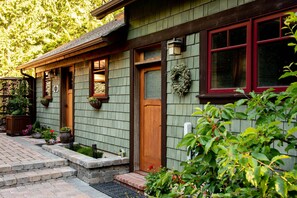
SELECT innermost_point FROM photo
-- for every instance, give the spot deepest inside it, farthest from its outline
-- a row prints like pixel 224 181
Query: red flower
pixel 52 130
pixel 150 167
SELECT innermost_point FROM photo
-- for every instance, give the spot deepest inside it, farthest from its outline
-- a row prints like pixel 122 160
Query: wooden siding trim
pixel 109 7
pixel 164 103
pixel 132 138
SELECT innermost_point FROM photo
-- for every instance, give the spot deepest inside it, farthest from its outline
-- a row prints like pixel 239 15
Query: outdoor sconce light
pixel 175 46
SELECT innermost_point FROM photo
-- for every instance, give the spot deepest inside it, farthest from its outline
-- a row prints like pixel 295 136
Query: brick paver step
pixel 35 176
pixel 134 180
pixel 18 167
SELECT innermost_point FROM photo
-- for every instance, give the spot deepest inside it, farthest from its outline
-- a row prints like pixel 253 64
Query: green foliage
pixel 18 103
pixel 86 150
pixel 226 164
pixel 29 28
pixel 159 183
pixel 49 134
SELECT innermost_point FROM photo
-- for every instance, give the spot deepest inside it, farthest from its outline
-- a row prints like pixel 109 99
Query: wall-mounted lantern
pixel 175 46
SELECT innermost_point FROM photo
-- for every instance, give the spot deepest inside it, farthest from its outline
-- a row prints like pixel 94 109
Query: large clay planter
pixel 16 123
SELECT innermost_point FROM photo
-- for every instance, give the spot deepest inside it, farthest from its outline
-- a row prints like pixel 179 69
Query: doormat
pixel 116 190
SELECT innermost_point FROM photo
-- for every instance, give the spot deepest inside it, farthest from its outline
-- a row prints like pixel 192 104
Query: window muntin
pixel 258 46
pixel 99 77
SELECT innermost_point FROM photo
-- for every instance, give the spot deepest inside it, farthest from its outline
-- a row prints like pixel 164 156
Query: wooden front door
pixel 69 98
pixel 150 118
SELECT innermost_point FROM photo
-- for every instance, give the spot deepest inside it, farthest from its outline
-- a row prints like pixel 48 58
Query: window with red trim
pixel 249 55
pixel 98 75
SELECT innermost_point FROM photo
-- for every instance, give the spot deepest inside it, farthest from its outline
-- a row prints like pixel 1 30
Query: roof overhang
pixel 65 54
pixel 109 7
pixel 72 49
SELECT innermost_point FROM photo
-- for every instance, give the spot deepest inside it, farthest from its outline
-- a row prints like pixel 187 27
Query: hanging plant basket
pixel 44 102
pixel 95 103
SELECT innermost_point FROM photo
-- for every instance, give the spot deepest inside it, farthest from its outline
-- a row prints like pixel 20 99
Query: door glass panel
pixel 152 84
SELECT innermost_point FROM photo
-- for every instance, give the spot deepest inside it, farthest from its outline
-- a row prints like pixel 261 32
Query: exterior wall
pixel 160 15
pixel 48 116
pixel 109 126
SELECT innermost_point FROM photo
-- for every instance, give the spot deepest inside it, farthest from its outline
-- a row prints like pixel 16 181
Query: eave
pixel 65 54
pixel 110 7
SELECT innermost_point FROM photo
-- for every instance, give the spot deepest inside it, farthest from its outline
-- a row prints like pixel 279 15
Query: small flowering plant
pixel 49 134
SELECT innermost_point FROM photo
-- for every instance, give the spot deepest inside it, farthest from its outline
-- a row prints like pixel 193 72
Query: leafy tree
pixel 29 28
pixel 225 164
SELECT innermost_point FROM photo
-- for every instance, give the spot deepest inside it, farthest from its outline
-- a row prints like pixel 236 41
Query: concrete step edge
pixel 34 176
pixel 33 165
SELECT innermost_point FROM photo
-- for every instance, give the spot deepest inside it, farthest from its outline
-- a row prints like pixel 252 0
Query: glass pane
pixel 272 57
pixel 153 53
pixel 228 69
pixel 96 65
pixel 99 88
pixel 219 40
pixel 152 87
pixel 268 29
pixel 237 36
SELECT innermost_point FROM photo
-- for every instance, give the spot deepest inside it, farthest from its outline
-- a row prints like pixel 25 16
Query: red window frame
pixel 92 81
pixel 228 47
pixel 251 54
pixel 281 37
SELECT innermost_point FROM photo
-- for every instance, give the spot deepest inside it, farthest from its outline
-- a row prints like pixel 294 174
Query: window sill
pixel 220 98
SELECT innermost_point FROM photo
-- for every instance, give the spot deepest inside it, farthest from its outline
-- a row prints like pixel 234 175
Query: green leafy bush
pixel 226 164
pixel 86 150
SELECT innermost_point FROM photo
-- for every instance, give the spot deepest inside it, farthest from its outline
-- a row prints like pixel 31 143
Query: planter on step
pixel 16 123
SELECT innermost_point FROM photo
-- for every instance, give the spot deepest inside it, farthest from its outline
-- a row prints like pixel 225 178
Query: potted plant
pixel 44 101
pixel 65 134
pixel 49 135
pixel 17 106
pixel 94 102
pixel 36 130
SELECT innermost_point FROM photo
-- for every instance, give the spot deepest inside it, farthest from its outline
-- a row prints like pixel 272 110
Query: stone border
pixel 89 169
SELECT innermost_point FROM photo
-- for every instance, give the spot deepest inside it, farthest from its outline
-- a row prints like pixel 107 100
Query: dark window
pixel 249 55
pixel 99 78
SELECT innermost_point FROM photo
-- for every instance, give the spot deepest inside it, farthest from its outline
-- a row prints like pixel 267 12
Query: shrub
pixel 225 164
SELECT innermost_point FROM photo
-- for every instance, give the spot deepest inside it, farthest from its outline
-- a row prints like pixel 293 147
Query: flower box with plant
pixel 49 135
pixel 17 107
pixel 44 101
pixel 94 102
pixel 65 134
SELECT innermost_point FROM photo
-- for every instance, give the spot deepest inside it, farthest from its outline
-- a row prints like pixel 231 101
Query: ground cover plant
pixel 246 164
pixel 86 150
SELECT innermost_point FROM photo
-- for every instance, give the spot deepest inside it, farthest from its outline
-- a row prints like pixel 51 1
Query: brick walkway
pixel 20 157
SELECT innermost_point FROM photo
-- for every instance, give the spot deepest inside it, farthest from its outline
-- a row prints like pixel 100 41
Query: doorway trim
pixel 135 104
pixel 63 97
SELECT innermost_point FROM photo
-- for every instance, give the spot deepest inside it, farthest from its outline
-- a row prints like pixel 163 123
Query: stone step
pixel 32 165
pixel 133 180
pixel 35 176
